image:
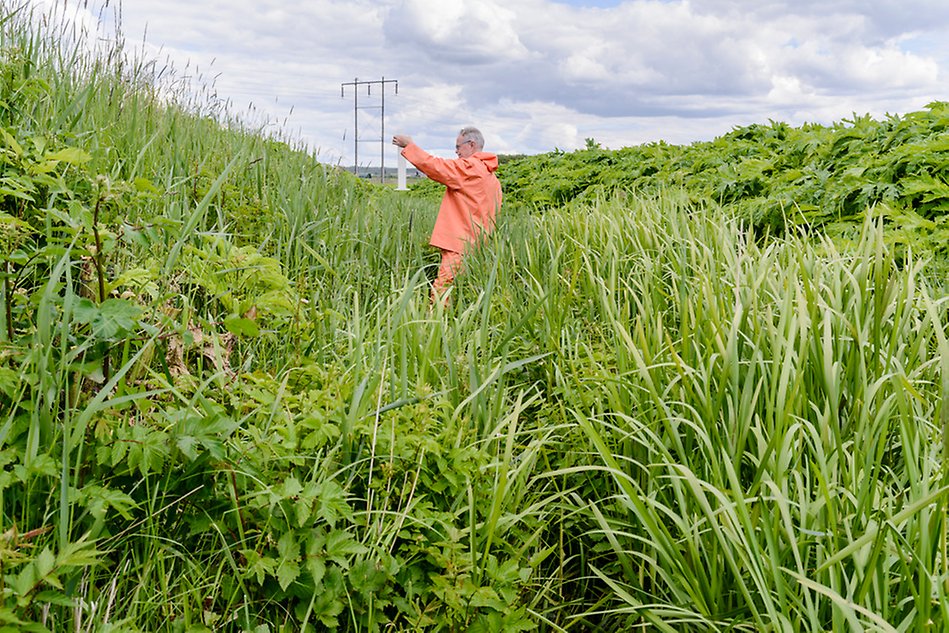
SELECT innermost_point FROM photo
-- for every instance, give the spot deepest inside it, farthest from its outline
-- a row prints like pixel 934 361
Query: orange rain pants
pixel 450 266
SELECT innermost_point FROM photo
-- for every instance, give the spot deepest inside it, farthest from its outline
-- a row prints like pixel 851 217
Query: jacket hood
pixel 490 160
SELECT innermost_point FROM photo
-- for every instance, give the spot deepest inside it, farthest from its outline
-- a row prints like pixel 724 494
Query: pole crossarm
pixel 356 84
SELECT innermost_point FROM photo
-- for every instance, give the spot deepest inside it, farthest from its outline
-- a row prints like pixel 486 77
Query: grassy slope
pixel 227 405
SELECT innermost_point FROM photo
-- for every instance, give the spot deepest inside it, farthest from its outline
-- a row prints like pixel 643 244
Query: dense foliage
pixel 226 403
pixel 776 176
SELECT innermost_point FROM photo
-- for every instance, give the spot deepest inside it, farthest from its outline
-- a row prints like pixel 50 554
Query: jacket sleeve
pixel 449 172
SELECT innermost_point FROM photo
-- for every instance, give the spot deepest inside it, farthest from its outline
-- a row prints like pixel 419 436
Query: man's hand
pixel 401 140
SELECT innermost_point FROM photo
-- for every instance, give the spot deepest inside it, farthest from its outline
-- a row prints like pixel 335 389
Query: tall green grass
pixel 769 419
pixel 226 402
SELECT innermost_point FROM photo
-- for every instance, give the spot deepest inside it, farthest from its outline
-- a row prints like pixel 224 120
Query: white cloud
pixel 455 31
pixel 585 68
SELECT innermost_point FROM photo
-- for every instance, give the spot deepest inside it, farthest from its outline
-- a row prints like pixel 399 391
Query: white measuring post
pixel 401 186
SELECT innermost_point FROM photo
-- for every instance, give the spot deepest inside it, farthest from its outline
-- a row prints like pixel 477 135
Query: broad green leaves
pixel 111 320
pixel 774 175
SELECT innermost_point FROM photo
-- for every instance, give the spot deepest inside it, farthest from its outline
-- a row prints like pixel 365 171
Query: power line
pixel 355 83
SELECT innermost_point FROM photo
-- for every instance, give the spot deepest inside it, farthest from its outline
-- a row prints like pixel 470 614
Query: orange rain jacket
pixel 472 196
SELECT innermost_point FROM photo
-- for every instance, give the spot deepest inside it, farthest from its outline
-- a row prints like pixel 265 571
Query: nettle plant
pixel 59 325
pixel 91 348
pixel 55 213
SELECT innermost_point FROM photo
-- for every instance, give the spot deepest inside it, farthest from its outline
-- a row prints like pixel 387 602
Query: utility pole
pixel 355 83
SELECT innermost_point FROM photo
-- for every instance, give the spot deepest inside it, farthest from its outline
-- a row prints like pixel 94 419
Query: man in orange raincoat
pixel 471 201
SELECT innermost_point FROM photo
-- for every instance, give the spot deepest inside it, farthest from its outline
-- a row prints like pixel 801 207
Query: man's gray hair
pixel 473 134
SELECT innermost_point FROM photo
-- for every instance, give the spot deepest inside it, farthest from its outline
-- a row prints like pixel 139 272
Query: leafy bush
pixel 778 177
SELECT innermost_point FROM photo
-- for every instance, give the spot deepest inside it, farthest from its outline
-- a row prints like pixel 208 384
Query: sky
pixel 533 75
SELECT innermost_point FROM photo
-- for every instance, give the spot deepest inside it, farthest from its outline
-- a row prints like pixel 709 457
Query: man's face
pixel 464 148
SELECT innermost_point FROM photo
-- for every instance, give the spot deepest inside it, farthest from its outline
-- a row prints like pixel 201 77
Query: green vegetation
pixel 226 404
pixel 777 177
pixel 809 179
